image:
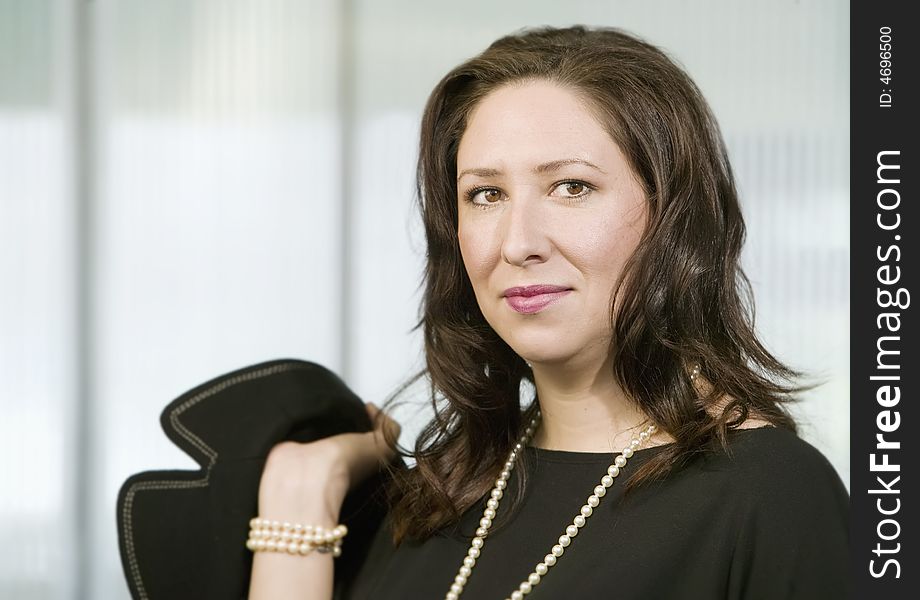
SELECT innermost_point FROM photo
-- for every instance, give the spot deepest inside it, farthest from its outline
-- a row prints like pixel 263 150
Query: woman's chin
pixel 540 357
pixel 548 352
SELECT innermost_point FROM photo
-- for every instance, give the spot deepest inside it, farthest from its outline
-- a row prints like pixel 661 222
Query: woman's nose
pixel 523 229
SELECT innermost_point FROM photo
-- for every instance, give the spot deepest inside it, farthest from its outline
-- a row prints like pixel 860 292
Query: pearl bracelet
pixel 266 535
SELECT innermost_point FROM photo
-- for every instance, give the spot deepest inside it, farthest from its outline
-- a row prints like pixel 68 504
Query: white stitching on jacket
pixel 198 443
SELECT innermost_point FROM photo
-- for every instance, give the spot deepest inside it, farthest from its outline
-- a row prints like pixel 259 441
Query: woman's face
pixel 545 198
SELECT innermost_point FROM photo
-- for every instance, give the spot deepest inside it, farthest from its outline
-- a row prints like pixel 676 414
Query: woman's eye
pixel 489 195
pixel 574 189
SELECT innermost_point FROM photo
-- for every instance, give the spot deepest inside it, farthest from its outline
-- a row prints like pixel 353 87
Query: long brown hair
pixel 682 299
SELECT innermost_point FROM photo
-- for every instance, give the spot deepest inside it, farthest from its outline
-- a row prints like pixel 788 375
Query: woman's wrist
pixel 307 487
pixel 321 509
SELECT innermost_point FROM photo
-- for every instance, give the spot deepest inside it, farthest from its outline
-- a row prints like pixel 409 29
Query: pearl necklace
pixel 542 568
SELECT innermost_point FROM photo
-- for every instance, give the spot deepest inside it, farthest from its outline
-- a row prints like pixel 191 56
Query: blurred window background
pixel 191 186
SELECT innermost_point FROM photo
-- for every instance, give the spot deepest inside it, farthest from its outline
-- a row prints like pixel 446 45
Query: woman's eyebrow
pixel 547 167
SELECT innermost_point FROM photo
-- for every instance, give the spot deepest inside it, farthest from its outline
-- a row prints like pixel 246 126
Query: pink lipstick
pixel 534 298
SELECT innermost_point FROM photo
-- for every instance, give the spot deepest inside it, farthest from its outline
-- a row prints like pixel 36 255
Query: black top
pixel 769 522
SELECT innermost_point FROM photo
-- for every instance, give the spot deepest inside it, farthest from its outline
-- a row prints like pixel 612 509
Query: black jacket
pixel 182 534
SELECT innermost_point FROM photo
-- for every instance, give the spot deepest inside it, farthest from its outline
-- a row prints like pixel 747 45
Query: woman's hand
pixel 303 482
pixel 307 483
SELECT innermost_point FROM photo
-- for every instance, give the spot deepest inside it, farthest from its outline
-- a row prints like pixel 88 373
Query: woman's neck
pixel 586 411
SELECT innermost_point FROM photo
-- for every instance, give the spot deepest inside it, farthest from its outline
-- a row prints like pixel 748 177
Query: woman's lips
pixel 532 304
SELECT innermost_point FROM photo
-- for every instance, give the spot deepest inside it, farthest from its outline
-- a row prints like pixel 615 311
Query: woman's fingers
pixel 384 427
pixel 387 421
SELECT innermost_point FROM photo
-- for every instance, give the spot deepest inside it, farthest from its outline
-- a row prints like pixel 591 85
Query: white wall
pixel 204 185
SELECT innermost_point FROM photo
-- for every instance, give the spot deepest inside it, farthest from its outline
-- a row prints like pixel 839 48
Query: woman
pixel 583 235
